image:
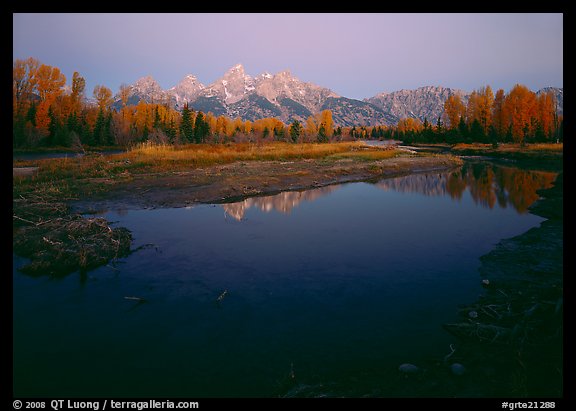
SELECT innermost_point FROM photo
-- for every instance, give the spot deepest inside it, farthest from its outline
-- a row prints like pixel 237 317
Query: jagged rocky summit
pixel 282 95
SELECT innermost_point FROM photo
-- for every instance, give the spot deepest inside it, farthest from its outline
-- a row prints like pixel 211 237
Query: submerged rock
pixel 408 368
pixel 457 369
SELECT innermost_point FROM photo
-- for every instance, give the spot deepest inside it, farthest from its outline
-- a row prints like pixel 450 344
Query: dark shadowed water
pixel 315 286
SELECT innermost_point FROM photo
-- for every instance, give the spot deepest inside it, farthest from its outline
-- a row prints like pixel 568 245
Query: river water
pixel 254 298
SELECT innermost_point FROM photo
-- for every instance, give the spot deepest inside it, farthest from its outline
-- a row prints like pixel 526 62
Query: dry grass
pixel 149 158
pixel 56 241
pixel 546 147
pixel 168 157
pixel 368 155
pixel 509 147
pixel 206 154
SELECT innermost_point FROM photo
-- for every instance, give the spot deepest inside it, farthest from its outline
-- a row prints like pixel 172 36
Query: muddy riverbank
pixel 231 182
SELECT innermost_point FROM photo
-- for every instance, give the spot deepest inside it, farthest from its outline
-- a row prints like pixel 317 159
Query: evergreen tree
pixel 62 138
pixel 186 128
pixel 84 130
pixel 201 128
pixel 145 133
pixel 98 134
pixel 108 135
pixel 426 134
pixel 72 122
pixel 493 136
pixel 279 133
pixel 440 136
pixel 353 133
pixel 157 121
pixel 463 129
pixel 170 130
pixel 322 136
pixel 31 114
pixel 295 130
pixel 52 128
pixel 477 132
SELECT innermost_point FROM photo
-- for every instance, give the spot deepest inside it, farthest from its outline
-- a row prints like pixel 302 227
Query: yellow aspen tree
pixel 311 129
pixel 484 108
pixel 23 82
pixel 409 124
pixel 211 119
pixel 546 112
pixel 453 109
pixel 520 108
pixel 326 121
pixel 124 94
pixel 220 127
pixel 238 125
pixel 229 127
pixel 498 117
pixel 49 81
pixel 103 96
pixel 472 108
pixel 78 87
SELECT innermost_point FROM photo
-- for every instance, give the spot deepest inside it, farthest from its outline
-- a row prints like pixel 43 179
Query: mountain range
pixel 281 95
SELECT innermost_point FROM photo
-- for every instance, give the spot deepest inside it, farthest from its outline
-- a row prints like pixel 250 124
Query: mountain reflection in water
pixel 488 184
pixel 283 202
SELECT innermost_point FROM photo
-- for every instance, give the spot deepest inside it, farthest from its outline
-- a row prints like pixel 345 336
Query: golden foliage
pixel 453 109
pixel 103 96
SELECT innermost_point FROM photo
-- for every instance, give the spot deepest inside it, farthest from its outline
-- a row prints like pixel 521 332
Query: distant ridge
pixel 281 95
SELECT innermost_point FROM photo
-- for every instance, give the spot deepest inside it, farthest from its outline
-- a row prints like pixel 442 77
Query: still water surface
pixel 322 285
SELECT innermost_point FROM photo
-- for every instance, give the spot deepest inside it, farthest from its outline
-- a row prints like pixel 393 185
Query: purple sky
pixel 355 55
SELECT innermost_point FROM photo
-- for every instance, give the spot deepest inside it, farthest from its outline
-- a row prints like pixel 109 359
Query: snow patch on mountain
pixel 286 97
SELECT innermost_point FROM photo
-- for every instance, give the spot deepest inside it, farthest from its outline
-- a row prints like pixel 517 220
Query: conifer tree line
pixel 49 113
pixel 521 116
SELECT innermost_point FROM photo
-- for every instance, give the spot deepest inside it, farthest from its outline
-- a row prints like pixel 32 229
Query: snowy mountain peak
pixel 147 83
pixel 281 86
pixel 187 90
pixel 237 70
pixel 232 87
pixel 284 96
pixel 146 89
pixel 189 80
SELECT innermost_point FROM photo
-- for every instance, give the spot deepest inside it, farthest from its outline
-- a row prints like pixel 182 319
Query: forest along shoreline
pixel 49 206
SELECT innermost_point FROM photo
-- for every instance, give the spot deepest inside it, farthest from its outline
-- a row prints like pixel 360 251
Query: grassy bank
pixel 512 148
pixel 149 158
pixel 512 151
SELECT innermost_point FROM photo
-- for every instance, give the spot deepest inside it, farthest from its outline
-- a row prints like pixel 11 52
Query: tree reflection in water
pixel 489 184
